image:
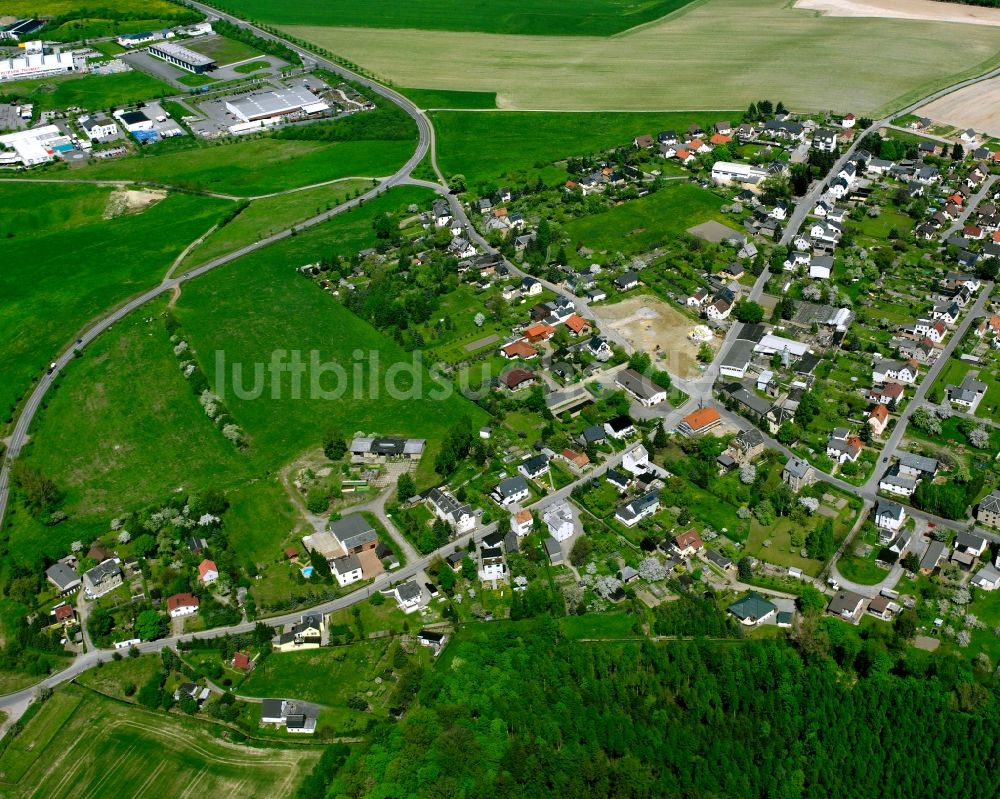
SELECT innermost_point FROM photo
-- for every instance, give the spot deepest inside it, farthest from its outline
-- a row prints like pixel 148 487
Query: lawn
pixel 224 51
pixel 648 222
pixel 487 146
pixel 270 215
pixel 106 748
pixel 64 264
pixel 879 227
pixel 772 49
pixel 92 92
pixel 115 675
pixel 280 164
pixel 251 66
pixel 259 521
pixel 534 17
pixel 861 570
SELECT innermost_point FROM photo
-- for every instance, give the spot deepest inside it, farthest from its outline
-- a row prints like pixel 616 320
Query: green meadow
pixel 534 17
pixel 249 168
pixel 92 92
pixel 262 218
pixel 442 98
pixel 486 146
pixel 124 429
pixel 642 224
pixel 64 264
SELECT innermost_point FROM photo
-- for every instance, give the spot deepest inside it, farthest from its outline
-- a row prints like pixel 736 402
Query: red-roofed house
pixel 719 138
pixel 242 662
pixel 182 605
pixel 972 232
pixel 889 394
pixel 519 349
pixel 700 421
pixel 539 332
pixel 208 572
pixel 878 418
pixel 577 459
pixel 688 544
pixel 578 325
pixel 64 614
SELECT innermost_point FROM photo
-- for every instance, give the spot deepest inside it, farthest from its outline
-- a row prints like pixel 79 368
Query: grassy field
pixel 535 17
pixel 264 217
pixel 124 428
pixel 105 748
pixel 441 98
pixel 642 224
pixel 92 92
pixel 224 167
pixel 484 146
pixel 271 308
pixel 48 295
pixel 346 670
pixel 775 51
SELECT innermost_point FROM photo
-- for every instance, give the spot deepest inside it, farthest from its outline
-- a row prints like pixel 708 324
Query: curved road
pixel 16 702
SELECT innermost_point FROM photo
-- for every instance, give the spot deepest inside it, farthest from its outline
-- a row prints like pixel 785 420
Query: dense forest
pixel 517 710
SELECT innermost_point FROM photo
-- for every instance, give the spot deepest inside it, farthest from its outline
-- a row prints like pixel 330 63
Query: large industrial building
pixel 181 57
pixel 36 63
pixel 265 105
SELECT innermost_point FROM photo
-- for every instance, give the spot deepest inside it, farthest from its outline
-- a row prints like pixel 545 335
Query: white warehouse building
pixel 265 105
pixel 726 172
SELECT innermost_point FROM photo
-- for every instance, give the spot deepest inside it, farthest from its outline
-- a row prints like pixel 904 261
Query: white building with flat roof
pixel 31 147
pixel 265 105
pixel 726 172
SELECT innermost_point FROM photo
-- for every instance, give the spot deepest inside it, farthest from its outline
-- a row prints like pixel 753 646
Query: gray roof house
pixel 354 533
pixel 63 577
pixel 553 550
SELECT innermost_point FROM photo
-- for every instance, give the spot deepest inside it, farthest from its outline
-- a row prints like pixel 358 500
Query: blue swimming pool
pixel 307 571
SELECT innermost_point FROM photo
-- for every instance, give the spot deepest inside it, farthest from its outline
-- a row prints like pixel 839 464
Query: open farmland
pixel 641 225
pixel 487 146
pixel 976 107
pixel 64 264
pixel 716 54
pixel 544 17
pixel 106 748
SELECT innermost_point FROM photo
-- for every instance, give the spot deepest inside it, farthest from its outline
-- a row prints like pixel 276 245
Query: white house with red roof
pixel 208 572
